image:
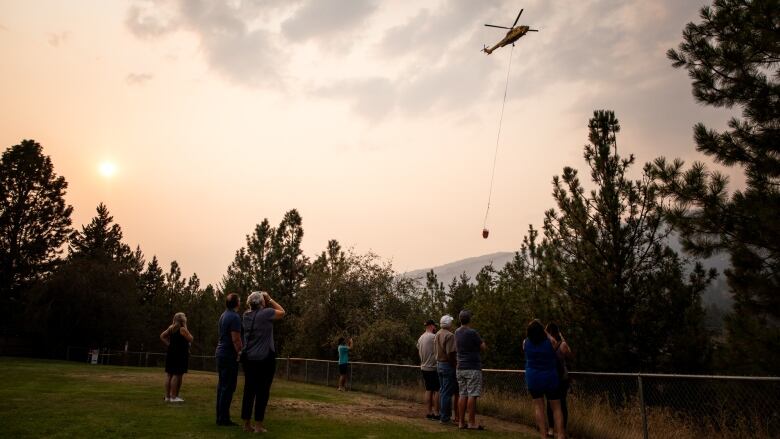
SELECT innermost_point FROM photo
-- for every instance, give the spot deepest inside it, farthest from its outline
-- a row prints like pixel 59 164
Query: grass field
pixel 40 398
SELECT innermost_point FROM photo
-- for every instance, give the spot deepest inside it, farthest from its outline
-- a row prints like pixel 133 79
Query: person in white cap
pixel 446 364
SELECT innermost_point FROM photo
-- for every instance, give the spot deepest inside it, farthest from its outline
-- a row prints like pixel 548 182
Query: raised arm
pixel 565 349
pixel 186 334
pixel 552 340
pixel 166 336
pixel 349 343
pixel 278 310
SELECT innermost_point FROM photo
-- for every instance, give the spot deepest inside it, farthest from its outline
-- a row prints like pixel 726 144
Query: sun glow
pixel 107 169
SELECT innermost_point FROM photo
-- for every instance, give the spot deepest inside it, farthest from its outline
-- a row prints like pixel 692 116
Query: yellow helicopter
pixel 513 35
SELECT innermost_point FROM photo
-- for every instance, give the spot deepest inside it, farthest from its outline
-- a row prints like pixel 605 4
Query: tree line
pixel 601 265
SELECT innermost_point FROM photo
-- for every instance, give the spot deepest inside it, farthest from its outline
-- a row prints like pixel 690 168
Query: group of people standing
pixel 247 339
pixel 451 364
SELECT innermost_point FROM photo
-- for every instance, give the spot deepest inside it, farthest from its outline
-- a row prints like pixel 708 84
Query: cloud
pixel 138 78
pixel 410 59
pixel 58 38
pixel 322 19
pixel 148 19
pixel 435 32
pixel 231 34
pixel 373 98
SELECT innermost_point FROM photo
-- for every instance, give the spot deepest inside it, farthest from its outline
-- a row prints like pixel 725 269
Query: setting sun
pixel 107 169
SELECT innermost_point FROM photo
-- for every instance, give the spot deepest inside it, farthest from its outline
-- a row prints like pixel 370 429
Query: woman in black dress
pixel 178 340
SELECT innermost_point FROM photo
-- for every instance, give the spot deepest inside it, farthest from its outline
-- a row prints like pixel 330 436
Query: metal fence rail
pixel 601 405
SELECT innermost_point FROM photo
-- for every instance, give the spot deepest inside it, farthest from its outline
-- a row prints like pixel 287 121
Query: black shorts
pixel 431 378
pixel 343 369
pixel 551 395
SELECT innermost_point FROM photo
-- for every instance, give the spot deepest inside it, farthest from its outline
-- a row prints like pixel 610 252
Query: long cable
pixel 498 137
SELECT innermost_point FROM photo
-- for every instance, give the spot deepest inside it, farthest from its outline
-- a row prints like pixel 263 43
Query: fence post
pixel 387 381
pixel 642 406
pixel 288 368
pixel 146 361
pixel 305 371
pixel 327 374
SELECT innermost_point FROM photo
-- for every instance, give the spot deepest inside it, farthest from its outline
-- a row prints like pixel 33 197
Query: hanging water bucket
pixel 485 233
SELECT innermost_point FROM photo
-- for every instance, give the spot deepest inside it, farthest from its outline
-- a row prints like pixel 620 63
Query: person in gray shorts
pixel 469 345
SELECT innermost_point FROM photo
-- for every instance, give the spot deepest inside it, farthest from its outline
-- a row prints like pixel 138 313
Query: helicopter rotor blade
pixel 500 27
pixel 518 18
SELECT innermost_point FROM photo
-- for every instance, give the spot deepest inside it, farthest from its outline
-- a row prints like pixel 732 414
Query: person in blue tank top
pixel 344 348
pixel 541 376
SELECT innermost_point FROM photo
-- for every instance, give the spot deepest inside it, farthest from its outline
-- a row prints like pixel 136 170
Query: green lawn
pixel 40 398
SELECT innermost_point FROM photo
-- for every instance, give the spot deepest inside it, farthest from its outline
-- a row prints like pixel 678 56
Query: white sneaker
pixel 177 399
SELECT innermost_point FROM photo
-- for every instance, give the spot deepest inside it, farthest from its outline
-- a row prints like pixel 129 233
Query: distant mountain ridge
pixel 717 293
pixel 470 266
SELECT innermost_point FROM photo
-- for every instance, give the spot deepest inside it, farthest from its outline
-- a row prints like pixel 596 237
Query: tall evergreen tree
pixel 434 297
pixel 733 57
pixel 152 281
pixel 93 299
pixel 613 262
pixel 34 218
pixel 101 240
pixel 288 255
pixel 272 260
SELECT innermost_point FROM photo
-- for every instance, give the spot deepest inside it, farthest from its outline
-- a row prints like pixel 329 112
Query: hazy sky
pixel 376 120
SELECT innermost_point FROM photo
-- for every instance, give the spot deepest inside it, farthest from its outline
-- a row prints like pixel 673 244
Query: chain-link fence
pixel 601 405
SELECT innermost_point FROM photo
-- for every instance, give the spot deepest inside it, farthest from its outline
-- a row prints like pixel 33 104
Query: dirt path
pixel 370 407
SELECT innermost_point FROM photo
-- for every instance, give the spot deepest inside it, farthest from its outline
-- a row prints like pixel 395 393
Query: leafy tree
pixel 34 218
pixel 325 304
pixel 611 259
pixel 359 296
pixel 732 55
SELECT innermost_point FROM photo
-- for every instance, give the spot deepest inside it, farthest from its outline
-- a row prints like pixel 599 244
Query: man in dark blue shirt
pixel 228 349
pixel 469 345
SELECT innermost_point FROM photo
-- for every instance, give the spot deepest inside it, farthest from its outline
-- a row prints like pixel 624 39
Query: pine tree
pixel 151 281
pixel 612 262
pixel 288 255
pixel 733 58
pixel 433 296
pixel 460 292
pixel 34 218
pixel 101 240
